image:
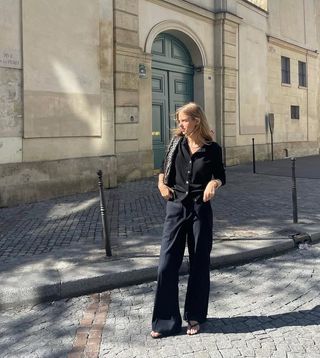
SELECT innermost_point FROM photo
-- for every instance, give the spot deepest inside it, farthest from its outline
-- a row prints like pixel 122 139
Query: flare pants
pixel 189 222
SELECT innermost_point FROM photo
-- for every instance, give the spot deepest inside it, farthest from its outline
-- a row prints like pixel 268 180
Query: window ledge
pixel 285 84
pixel 303 87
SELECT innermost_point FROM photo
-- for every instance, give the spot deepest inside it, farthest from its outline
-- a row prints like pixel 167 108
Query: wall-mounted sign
pixel 10 58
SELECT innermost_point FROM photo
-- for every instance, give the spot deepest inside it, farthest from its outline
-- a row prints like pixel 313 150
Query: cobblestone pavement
pixel 249 206
pixel 39 228
pixel 268 308
pixel 45 330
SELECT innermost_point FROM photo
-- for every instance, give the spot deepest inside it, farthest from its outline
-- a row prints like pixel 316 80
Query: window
pixel 295 112
pixel 285 70
pixel 302 74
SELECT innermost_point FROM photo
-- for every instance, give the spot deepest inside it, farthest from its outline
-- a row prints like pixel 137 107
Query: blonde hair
pixel 194 111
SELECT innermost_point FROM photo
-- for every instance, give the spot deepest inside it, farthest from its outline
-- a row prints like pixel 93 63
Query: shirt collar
pixel 185 144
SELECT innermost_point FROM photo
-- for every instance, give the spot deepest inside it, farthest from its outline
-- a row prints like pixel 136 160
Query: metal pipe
pixel 105 231
pixel 253 157
pixel 271 145
pixel 294 191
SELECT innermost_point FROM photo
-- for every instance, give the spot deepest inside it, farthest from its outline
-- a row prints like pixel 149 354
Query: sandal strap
pixel 193 325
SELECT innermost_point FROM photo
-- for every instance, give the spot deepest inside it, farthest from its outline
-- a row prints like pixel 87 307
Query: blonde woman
pixel 192 172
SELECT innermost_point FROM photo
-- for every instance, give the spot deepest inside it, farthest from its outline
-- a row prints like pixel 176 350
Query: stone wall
pixel 263 151
pixel 86 106
pixel 53 143
pixel 11 122
pixel 34 181
pixel 135 159
pixel 10 116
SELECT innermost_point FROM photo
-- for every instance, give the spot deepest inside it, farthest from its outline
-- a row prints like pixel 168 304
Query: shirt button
pixel 187 182
pixel 187 192
pixel 190 162
pixel 188 171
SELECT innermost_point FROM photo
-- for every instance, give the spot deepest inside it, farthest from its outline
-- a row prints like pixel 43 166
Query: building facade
pixel 87 85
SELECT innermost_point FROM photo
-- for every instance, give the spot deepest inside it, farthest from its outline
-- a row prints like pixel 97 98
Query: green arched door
pixel 172 87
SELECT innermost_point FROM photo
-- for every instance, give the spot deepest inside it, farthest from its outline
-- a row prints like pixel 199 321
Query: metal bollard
pixel 105 231
pixel 253 158
pixel 271 146
pixel 294 191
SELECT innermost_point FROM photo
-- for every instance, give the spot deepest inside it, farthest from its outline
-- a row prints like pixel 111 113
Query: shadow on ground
pixel 246 324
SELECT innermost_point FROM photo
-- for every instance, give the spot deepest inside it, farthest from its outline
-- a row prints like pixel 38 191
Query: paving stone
pixel 136 208
pixel 255 330
pixel 265 307
pixel 267 333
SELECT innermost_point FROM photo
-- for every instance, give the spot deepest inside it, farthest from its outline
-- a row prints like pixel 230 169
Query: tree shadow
pixel 247 324
pixel 45 330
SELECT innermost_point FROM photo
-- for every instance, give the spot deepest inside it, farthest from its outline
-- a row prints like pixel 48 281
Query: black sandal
pixel 190 326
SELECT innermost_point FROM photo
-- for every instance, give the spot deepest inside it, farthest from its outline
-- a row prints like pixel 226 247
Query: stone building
pixel 93 84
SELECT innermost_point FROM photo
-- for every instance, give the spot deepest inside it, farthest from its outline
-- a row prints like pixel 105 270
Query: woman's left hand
pixel 210 190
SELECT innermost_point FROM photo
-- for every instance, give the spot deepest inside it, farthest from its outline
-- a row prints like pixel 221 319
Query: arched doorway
pixel 172 86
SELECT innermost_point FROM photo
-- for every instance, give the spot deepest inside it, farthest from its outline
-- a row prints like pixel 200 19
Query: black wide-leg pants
pixel 192 222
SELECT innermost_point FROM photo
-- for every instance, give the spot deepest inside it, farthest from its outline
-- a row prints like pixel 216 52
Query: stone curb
pixel 35 284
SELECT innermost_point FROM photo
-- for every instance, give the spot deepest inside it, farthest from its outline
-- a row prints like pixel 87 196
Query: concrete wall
pixel 33 181
pixel 85 106
pixel 226 81
pixel 132 110
pixel 253 71
pixel 11 123
pixel 64 131
pixel 317 76
pixel 293 21
pixel 63 86
pixel 287 30
pixel 292 33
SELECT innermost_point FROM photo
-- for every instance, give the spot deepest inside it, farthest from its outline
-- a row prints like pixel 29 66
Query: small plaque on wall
pixel 10 58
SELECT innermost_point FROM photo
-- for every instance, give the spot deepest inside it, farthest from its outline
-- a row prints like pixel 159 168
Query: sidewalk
pixel 53 249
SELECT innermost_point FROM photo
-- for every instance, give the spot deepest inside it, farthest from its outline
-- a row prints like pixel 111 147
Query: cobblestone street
pixel 268 308
pixel 145 140
pixel 249 206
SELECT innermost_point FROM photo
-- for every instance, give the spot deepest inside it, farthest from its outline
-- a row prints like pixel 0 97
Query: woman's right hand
pixel 165 191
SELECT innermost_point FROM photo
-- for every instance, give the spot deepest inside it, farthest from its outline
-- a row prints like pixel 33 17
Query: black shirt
pixel 192 172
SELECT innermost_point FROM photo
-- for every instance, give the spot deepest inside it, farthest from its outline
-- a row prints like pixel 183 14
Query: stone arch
pixel 184 34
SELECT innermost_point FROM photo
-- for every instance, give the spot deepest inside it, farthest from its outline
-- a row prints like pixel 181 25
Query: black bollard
pixel 271 146
pixel 253 158
pixel 294 191
pixel 105 231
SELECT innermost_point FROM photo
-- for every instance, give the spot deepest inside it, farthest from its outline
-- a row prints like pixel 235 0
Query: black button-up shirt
pixel 192 172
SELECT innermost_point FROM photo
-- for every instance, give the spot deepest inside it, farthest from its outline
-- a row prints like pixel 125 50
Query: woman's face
pixel 186 123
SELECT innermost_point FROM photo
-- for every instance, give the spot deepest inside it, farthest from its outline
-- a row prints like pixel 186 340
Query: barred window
pixel 302 74
pixel 285 69
pixel 295 112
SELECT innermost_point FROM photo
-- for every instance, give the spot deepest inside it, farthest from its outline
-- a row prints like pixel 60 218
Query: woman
pixel 191 173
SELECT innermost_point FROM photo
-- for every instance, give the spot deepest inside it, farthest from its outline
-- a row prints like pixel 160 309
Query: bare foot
pixel 155 334
pixel 193 328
